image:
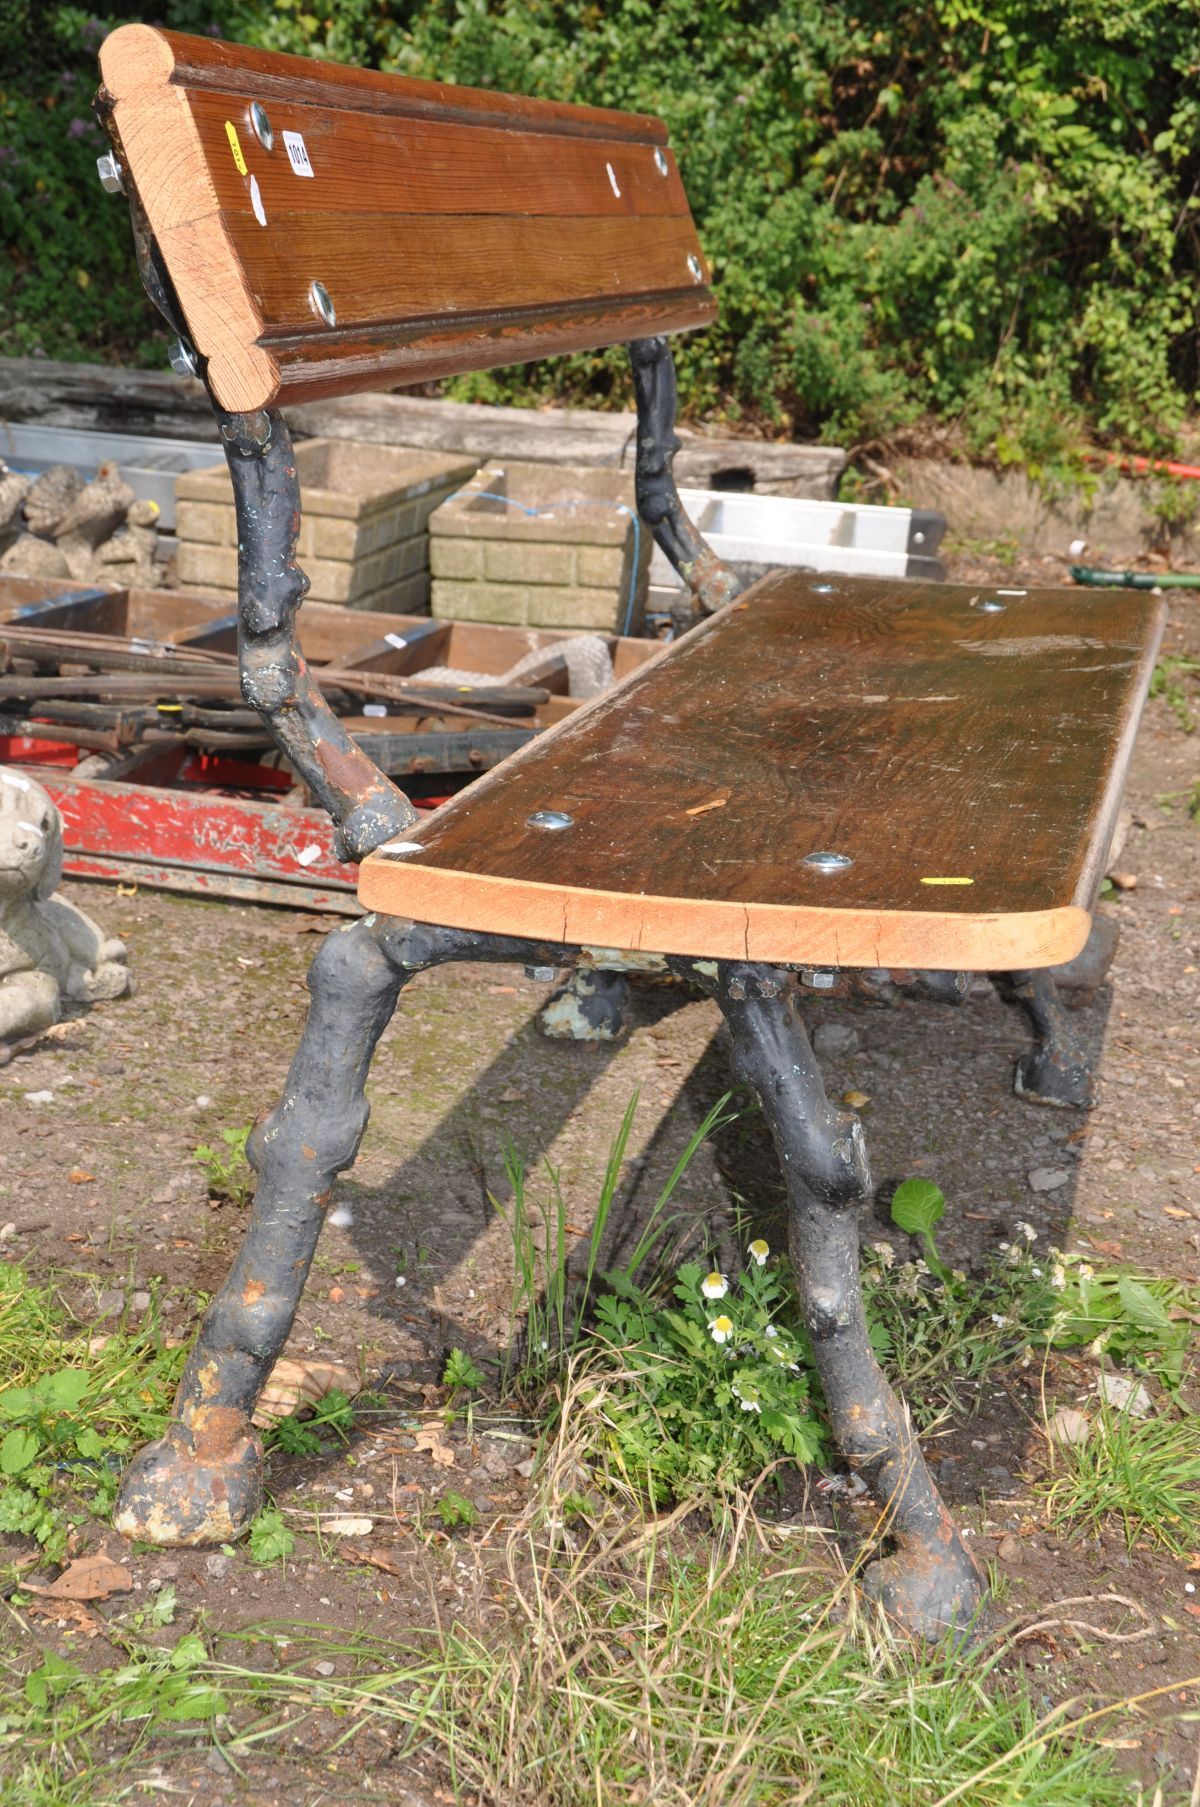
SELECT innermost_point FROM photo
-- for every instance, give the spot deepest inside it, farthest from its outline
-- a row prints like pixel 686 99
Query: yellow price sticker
pixel 235 147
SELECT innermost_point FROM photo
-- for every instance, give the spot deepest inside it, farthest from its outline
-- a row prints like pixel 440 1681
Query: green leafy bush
pixel 983 210
pixel 706 1392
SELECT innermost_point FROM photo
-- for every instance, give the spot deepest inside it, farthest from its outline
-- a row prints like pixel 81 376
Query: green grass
pixel 644 1666
pixel 1143 1474
pixel 74 1407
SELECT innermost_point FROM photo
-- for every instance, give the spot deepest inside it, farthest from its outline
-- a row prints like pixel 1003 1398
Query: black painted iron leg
pixel 931 1582
pixel 203 1482
pixel 1056 1070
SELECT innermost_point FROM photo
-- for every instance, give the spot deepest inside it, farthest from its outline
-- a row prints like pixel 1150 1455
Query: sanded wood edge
pixel 1109 805
pixel 930 941
pixel 165 161
pixel 224 67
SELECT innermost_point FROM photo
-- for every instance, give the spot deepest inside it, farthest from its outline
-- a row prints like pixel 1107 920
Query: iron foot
pixel 209 1491
pixel 1056 1070
pixel 930 1587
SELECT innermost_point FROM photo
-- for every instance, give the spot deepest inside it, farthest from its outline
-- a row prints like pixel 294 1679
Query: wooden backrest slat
pixel 453 229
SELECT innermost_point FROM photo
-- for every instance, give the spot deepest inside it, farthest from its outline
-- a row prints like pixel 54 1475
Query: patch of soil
pixel 100 1179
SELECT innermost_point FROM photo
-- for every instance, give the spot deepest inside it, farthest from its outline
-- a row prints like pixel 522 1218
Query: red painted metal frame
pixel 193 840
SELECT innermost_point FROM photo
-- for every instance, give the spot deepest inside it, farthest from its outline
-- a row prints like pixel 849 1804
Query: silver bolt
pixel 112 176
pixel 661 164
pixel 918 539
pixel 550 818
pixel 544 974
pixel 696 267
pixel 261 124
pixel 322 306
pixel 181 358
pixel 988 605
pixel 824 590
pixel 828 862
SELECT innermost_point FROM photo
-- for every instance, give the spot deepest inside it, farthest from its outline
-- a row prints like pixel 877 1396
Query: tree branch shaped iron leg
pixel 930 1584
pixel 1056 1070
pixel 203 1482
pixel 367 807
pixel 710 580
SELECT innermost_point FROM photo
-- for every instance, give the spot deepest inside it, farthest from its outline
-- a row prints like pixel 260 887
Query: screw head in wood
pixel 262 125
pixel 824 590
pixel 828 862
pixel 550 818
pixel 321 303
pixel 987 605
pixel 112 176
pixel 661 164
pixel 696 267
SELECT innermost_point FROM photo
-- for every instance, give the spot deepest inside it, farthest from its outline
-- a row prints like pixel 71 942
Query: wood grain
pixel 454 230
pixel 895 723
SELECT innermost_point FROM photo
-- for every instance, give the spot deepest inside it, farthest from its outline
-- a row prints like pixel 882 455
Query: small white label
pixel 374 708
pixel 260 212
pixel 297 152
pixel 308 856
pixel 396 640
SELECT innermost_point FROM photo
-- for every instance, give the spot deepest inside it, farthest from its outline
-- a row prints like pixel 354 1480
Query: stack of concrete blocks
pixel 364 531
pixel 541 545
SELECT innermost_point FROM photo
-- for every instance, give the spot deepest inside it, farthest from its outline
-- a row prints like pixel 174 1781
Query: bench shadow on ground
pixel 942 1105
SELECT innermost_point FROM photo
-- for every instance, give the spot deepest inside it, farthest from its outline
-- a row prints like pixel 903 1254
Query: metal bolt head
pixel 261 124
pixel 828 862
pixel 695 267
pixel 824 590
pixel 112 176
pixel 543 974
pixel 550 818
pixel 987 605
pixel 322 306
pixel 661 164
pixel 181 358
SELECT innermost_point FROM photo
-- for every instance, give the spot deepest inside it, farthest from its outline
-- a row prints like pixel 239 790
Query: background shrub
pixel 985 214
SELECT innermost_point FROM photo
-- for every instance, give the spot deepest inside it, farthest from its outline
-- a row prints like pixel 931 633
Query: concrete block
pixel 207 567
pixel 507 604
pixel 455 558
pixel 600 610
pixel 205 522
pixel 512 562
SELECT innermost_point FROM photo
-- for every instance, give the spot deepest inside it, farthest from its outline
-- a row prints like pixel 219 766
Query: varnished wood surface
pixel 899 724
pixel 453 229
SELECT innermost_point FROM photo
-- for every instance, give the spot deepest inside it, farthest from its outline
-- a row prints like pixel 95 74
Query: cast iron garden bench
pixel 859 787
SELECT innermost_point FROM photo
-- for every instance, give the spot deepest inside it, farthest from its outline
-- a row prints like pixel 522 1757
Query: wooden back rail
pixel 448 229
pixel 309 230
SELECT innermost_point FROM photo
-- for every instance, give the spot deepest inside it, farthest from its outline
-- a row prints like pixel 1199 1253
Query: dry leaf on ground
pixel 378 1559
pixel 87 1578
pixel 344 1524
pixel 1069 1426
pixel 296 1382
pixel 433 1439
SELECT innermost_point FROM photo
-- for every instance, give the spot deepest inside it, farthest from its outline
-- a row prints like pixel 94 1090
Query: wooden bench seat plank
pixel 924 738
pixel 452 229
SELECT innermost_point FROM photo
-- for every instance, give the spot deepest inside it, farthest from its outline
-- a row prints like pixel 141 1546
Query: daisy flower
pixel 720 1329
pixel 758 1252
pixel 714 1286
